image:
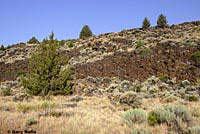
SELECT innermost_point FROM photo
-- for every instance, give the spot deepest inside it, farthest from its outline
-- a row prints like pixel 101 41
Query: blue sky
pixel 22 19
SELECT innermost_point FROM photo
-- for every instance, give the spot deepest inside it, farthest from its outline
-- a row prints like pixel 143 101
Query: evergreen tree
pixel 33 40
pixel 146 23
pixel 85 32
pixel 45 75
pixel 2 48
pixel 162 21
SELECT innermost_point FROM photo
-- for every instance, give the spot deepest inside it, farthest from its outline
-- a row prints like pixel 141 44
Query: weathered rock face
pixel 165 51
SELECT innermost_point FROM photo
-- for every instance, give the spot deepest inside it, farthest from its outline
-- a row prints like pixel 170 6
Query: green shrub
pixel 135 116
pixel 146 52
pixel 140 44
pixel 70 44
pixel 62 42
pixel 6 92
pixel 192 98
pixel 153 118
pixel 146 23
pixel 46 105
pixel 194 130
pixel 137 88
pixel 33 40
pixel 163 77
pixel 85 32
pixel 141 131
pixel 196 111
pixel 45 75
pixel 162 21
pixel 180 111
pixel 195 56
pixel 170 98
pixel 55 113
pixel 31 121
pixel 160 116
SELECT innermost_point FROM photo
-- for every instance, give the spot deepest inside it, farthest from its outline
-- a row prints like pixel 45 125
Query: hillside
pixel 112 73
pixel 164 51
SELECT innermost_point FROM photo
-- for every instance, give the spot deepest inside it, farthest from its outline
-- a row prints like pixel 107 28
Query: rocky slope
pixel 164 51
pixel 117 76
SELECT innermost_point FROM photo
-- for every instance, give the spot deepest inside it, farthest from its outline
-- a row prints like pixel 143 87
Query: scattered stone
pixel 185 83
pixel 20 97
pixel 68 105
pixel 77 98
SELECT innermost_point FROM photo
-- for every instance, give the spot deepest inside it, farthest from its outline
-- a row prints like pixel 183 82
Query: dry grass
pixel 93 115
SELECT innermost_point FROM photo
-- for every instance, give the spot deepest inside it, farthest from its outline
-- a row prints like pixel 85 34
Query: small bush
pixel 31 121
pixel 146 52
pixel 70 44
pixel 153 118
pixel 140 44
pixel 135 116
pixel 192 98
pixel 196 111
pixel 6 92
pixel 170 98
pixel 46 105
pixel 55 113
pixel 141 131
pixel 160 116
pixel 62 42
pixel 180 111
pixel 146 23
pixel 195 56
pixel 194 130
pixel 163 77
pixel 162 21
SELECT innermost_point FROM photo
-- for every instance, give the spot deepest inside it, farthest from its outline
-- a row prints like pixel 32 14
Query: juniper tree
pixel 2 48
pixel 33 40
pixel 85 32
pixel 162 21
pixel 146 23
pixel 45 75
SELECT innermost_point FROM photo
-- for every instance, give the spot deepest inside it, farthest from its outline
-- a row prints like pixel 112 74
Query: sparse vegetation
pixel 31 121
pixel 195 56
pixel 33 40
pixel 45 75
pixel 141 131
pixel 194 130
pixel 163 77
pixel 146 23
pixel 162 21
pixel 62 42
pixel 5 92
pixel 70 44
pixel 192 98
pixel 85 32
pixel 55 114
pixel 146 52
pixel 139 44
